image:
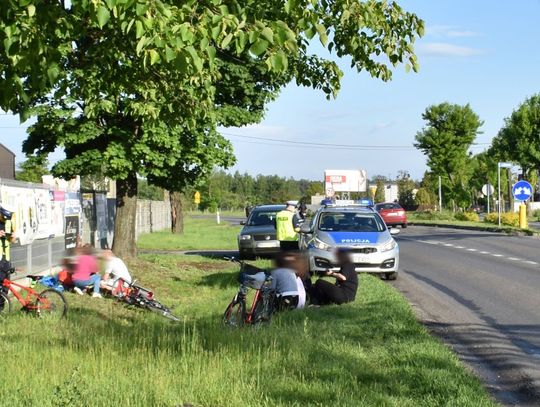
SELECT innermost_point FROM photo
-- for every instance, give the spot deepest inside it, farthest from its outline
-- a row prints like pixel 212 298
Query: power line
pixel 291 143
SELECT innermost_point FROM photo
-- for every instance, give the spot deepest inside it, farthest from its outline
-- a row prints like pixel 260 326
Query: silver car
pixel 258 236
pixel 358 228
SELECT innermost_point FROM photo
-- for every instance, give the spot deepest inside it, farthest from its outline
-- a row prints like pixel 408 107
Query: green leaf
pixel 139 29
pixel 259 47
pixel 268 34
pixel 140 45
pixel 169 54
pixel 141 8
pixel 52 73
pixel 31 10
pixel 226 41
pixel 103 15
pixel 154 56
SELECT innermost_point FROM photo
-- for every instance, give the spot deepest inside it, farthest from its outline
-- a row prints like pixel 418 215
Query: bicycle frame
pixel 27 303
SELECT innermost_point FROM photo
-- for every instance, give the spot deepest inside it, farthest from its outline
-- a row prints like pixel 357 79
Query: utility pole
pixel 440 194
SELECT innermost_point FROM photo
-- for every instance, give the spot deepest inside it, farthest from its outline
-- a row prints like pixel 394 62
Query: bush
pixel 536 214
pixel 492 218
pixel 434 215
pixel 507 219
pixel 467 216
pixel 510 219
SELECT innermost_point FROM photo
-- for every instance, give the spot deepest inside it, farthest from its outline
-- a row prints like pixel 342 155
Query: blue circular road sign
pixel 522 190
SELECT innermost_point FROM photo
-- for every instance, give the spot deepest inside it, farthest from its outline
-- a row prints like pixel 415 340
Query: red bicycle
pixel 133 294
pixel 49 303
pixel 262 306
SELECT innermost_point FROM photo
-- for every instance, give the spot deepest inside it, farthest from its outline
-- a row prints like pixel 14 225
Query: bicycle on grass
pixel 47 304
pixel 262 306
pixel 133 294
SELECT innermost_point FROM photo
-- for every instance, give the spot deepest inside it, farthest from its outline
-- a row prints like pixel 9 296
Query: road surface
pixel 480 292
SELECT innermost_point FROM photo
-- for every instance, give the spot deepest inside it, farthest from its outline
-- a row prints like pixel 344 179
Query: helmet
pixel 5 213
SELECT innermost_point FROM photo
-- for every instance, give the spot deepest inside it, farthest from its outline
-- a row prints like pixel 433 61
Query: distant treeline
pixel 235 191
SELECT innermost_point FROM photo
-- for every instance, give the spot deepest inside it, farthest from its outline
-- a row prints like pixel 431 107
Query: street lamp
pixel 499 166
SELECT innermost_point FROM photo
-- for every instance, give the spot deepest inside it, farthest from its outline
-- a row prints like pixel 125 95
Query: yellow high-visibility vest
pixel 284 226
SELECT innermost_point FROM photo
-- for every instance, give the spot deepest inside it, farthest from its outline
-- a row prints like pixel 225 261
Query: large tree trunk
pixel 177 214
pixel 125 245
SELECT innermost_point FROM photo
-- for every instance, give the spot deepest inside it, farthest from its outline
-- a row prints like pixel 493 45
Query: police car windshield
pixel 350 222
pixel 261 218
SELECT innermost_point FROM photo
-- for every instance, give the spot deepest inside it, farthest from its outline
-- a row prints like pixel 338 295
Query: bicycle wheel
pixel 160 309
pixel 51 304
pixel 5 305
pixel 262 314
pixel 234 315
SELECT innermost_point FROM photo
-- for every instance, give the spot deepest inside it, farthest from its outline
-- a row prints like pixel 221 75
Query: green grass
pixel 199 234
pixel 418 220
pixel 368 353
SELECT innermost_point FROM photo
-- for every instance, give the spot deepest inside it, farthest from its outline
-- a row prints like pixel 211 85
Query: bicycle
pixel 262 306
pixel 47 304
pixel 136 295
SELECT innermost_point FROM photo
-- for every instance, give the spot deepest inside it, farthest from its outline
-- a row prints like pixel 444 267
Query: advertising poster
pixel 72 203
pixel 44 213
pixel 58 220
pixel 22 201
pixel 72 231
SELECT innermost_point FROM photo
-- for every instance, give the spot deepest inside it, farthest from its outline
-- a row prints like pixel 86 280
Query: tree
pixel 33 169
pixel 518 140
pixel 406 188
pixel 380 191
pixel 446 140
pixel 134 85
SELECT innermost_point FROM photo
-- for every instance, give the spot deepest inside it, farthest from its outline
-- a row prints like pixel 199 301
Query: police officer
pixel 287 227
pixel 6 238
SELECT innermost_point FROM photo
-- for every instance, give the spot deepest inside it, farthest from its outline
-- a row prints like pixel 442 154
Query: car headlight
pixel 391 244
pixel 245 237
pixel 319 244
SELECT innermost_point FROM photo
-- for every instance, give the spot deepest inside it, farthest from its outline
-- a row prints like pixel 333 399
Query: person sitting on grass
pixel 344 290
pixel 284 282
pixel 86 272
pixel 115 269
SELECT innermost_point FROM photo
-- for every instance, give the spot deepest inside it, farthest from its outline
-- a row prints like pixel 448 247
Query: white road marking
pixel 498 255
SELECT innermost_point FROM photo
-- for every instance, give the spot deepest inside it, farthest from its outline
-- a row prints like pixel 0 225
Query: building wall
pixel 7 163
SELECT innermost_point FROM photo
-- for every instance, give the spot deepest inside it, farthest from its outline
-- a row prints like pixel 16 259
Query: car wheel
pixel 404 226
pixel 391 276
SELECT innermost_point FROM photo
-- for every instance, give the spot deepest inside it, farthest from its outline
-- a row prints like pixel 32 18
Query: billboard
pixel 344 181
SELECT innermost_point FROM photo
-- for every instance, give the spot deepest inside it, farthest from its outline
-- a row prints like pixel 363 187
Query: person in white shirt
pixel 115 269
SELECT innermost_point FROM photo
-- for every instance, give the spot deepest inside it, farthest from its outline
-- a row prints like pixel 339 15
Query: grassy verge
pixel 369 353
pixel 414 220
pixel 199 234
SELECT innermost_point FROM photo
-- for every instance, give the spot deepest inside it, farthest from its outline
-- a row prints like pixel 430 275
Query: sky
pixel 482 52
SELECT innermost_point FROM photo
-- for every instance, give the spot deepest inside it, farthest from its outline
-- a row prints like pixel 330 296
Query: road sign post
pixel 499 166
pixel 487 189
pixel 522 191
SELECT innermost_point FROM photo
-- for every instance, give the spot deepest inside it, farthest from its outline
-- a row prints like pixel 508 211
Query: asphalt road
pixel 480 292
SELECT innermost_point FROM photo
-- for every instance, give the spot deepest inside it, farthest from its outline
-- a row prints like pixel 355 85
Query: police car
pixel 358 228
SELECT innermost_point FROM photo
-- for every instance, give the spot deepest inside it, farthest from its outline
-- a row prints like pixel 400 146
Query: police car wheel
pixel 391 276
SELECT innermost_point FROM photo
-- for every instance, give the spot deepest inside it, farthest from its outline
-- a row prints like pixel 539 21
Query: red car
pixel 392 213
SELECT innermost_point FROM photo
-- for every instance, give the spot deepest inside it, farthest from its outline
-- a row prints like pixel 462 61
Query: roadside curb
pixel 508 231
